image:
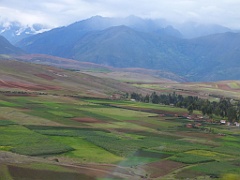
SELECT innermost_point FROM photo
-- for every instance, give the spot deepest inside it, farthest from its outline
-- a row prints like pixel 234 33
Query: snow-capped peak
pixel 14 31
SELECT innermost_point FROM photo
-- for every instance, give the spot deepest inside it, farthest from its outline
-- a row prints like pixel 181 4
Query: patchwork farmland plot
pixel 104 139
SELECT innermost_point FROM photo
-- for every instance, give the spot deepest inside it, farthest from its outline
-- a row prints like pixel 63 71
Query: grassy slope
pixel 65 82
pixel 126 74
pixel 129 77
pixel 149 79
pixel 209 90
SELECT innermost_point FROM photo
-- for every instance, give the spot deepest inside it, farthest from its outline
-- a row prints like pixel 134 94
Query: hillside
pixel 59 62
pixel 123 47
pixel 99 70
pixel 216 57
pixel 19 76
pixel 6 48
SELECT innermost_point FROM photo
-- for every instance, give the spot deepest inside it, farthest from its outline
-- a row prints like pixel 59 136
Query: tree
pixel 232 114
pixel 147 99
pixel 225 107
pixel 190 109
pixel 136 96
pixel 154 98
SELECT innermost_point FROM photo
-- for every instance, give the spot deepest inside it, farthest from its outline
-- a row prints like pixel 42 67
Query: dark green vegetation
pixel 132 136
pixel 225 108
pixel 100 40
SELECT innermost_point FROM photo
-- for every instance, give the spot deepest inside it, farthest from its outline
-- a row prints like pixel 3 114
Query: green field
pixel 18 138
pixel 111 139
pixel 85 151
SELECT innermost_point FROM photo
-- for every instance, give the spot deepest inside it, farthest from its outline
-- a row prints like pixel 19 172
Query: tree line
pixel 225 107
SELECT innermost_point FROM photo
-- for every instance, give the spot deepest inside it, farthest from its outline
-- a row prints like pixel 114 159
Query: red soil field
pixel 36 87
pixel 87 120
pixel 224 87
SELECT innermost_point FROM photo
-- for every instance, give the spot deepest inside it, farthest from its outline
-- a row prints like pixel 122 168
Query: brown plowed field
pixel 27 173
pixel 200 135
pixel 161 168
pixel 108 168
pixel 33 87
pixel 45 76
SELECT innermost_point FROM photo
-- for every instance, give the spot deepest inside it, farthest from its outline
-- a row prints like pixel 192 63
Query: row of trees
pixel 226 108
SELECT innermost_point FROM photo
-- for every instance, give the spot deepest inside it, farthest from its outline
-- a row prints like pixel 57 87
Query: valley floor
pixel 60 137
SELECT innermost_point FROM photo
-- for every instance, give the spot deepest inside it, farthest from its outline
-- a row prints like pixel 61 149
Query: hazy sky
pixel 63 12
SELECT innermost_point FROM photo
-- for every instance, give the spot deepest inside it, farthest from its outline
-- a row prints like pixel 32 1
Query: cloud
pixel 63 12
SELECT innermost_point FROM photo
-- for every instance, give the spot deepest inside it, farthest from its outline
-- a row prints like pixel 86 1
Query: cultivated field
pixel 48 137
pixel 230 89
pixel 62 124
pixel 150 80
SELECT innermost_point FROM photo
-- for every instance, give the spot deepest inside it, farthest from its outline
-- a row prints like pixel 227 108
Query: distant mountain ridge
pixel 142 44
pixel 8 49
pixel 15 31
pixel 192 30
pixel 216 57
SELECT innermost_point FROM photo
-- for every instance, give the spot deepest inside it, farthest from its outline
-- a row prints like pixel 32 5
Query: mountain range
pixel 151 44
pixel 15 31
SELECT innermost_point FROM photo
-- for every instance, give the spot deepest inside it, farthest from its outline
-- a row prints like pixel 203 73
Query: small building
pixel 237 124
pixel 223 122
pixel 189 125
pixel 197 125
pixel 116 96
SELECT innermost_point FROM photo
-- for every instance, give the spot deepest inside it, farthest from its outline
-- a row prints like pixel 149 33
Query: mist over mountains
pixel 15 31
pixel 194 51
